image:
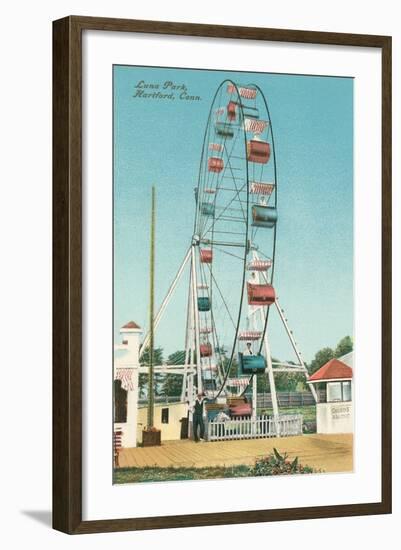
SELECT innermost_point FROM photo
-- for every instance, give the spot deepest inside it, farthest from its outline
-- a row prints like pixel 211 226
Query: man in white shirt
pixel 248 350
pixel 197 420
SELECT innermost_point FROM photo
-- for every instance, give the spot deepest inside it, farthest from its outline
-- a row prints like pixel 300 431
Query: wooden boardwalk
pixel 331 453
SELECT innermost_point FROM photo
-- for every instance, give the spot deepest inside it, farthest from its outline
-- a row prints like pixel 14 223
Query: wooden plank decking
pixel 331 453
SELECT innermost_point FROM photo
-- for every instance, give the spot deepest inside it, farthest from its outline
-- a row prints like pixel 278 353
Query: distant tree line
pixel 165 384
pixel 171 384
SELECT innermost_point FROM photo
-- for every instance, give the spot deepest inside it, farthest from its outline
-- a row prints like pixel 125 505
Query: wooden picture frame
pixel 67 273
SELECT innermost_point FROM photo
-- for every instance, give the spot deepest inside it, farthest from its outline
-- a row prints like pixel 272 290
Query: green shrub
pixel 277 464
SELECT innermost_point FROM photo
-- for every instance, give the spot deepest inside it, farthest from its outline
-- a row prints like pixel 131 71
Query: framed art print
pixel 222 274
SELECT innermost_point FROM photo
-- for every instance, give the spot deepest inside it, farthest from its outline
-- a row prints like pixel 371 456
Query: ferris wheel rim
pixel 275 204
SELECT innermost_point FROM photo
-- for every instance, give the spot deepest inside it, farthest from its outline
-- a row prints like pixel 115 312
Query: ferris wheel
pixel 232 254
pixel 235 238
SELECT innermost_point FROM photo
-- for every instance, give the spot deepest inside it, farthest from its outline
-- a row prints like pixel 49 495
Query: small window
pixel 165 416
pixel 334 392
pixel 347 393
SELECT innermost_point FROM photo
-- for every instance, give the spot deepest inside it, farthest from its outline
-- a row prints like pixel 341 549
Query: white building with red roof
pixel 334 410
pixel 129 417
pixel 126 370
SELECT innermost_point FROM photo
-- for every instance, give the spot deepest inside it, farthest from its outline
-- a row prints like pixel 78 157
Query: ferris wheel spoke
pixel 237 193
pixel 222 297
pixel 223 143
pixel 228 205
pixel 229 232
pixel 221 177
pixel 229 254
pixel 205 176
pixel 216 344
pixel 222 139
pixel 203 224
pixel 230 218
pixel 231 189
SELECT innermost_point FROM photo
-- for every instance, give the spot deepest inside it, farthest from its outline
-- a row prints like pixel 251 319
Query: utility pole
pixel 151 315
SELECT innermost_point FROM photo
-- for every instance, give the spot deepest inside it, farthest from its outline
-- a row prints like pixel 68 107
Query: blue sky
pixel 159 142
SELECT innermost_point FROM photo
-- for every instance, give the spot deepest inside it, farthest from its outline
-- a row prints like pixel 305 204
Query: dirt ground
pixel 326 452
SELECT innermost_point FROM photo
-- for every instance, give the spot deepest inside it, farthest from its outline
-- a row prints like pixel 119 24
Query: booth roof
pixel 332 370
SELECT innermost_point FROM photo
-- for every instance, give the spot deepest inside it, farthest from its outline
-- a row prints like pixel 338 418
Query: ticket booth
pixel 334 410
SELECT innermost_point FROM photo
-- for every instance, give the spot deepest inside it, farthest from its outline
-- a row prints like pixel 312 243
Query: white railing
pixel 248 428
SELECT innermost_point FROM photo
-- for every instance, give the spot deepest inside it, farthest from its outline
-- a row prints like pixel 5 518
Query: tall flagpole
pixel 151 315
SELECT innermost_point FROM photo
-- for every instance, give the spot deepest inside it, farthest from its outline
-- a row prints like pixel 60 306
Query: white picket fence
pixel 248 428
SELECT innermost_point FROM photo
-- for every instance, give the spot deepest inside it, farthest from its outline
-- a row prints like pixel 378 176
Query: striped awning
pixel 125 375
pixel 255 126
pixel 215 147
pixel 259 265
pixel 247 93
pixel 249 335
pixel 238 382
pixel 260 188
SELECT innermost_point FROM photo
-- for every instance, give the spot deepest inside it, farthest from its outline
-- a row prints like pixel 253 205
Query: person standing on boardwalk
pixel 198 422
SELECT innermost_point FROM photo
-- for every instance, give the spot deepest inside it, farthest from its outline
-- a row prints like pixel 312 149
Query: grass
pixel 141 475
pixel 308 412
pixel 269 465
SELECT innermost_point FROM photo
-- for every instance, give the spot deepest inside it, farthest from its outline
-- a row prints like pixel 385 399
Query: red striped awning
pixel 255 126
pixel 247 93
pixel 249 335
pixel 215 147
pixel 260 188
pixel 125 375
pixel 238 382
pixel 259 265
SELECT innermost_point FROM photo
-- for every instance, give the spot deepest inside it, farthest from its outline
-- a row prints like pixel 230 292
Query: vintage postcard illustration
pixel 233 274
